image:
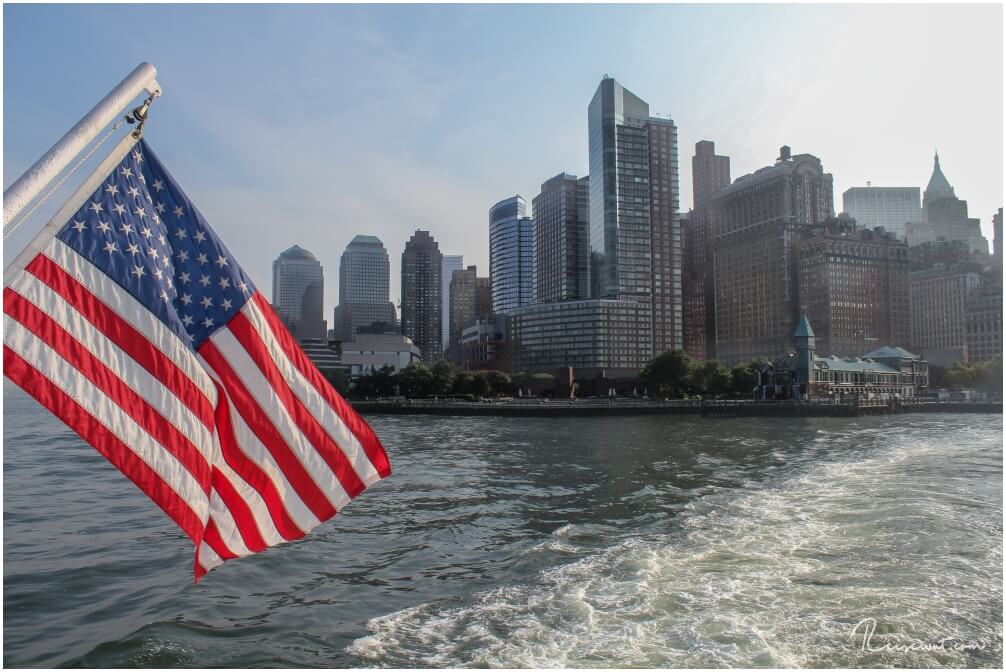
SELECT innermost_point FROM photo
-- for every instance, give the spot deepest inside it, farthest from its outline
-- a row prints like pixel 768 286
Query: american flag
pixel 136 326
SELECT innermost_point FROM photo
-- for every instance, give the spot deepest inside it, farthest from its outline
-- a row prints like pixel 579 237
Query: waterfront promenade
pixel 707 409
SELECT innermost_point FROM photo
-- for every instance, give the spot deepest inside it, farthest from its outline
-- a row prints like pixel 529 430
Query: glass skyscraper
pixel 889 207
pixel 511 255
pixel 364 279
pixel 298 292
pixel 562 245
pixel 635 237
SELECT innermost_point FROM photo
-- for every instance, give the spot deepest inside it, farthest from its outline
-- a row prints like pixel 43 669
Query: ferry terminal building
pixel 885 373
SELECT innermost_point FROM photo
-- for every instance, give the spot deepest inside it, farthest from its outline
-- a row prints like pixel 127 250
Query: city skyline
pixel 461 148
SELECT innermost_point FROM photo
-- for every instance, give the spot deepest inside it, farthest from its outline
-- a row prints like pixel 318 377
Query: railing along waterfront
pixel 719 408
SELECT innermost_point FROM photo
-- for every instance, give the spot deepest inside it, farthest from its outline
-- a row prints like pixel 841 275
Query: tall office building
pixel 985 318
pixel 757 221
pixel 463 308
pixel 562 244
pixel 889 207
pixel 562 239
pixel 422 308
pixel 854 287
pixel 451 263
pixel 511 255
pixel 946 215
pixel 635 236
pixel 997 231
pixel 939 297
pixel 483 297
pixel 364 279
pixel 298 292
pixel 956 303
pixel 710 173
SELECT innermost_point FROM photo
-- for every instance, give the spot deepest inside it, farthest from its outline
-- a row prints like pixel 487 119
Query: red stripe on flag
pixel 145 415
pixel 124 335
pixel 245 333
pixel 104 441
pixel 242 514
pixel 356 424
pixel 216 542
pixel 263 428
pixel 253 475
pixel 198 570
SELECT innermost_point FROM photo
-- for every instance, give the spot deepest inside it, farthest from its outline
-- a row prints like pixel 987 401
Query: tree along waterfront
pixel 671 375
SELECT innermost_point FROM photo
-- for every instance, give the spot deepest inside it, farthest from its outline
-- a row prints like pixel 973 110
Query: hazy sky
pixel 311 124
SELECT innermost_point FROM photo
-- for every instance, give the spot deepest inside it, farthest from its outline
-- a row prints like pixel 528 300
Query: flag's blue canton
pixel 141 230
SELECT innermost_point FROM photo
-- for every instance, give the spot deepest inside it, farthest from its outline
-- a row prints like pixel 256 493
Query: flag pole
pixel 125 144
pixel 28 186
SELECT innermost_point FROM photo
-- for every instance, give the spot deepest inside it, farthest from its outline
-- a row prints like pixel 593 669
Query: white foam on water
pixel 778 577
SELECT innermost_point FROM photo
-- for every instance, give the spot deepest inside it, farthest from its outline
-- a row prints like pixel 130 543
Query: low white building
pixel 369 352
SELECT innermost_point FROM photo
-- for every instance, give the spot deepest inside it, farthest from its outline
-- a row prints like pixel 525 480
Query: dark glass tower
pixel 562 239
pixel 635 237
pixel 421 289
pixel 511 255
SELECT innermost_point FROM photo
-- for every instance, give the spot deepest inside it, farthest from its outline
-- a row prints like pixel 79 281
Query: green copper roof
pixel 938 186
pixel 834 363
pixel 803 329
pixel 888 352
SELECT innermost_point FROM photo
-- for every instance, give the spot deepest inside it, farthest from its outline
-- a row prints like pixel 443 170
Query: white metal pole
pixel 35 179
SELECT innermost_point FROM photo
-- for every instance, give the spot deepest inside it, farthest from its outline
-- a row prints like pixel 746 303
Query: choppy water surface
pixel 663 542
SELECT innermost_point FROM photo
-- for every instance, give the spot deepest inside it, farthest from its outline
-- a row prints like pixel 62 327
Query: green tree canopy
pixel 379 383
pixel 416 381
pixel 443 377
pixel 709 377
pixel 338 379
pixel 985 376
pixel 463 382
pixel 744 377
pixel 669 374
pixel 499 383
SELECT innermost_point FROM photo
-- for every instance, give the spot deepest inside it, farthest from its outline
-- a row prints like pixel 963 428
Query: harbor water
pixel 658 541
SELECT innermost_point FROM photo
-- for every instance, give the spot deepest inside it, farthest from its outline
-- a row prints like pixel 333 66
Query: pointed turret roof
pixel 803 329
pixel 938 186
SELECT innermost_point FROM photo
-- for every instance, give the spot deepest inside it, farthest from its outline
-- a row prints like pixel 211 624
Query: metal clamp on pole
pixel 28 186
pixel 139 115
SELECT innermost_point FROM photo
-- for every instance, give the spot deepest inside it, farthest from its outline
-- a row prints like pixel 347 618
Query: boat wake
pixel 776 577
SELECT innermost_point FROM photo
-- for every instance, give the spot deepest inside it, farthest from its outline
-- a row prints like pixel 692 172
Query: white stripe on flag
pixel 108 353
pixel 263 521
pixel 312 400
pixel 258 455
pixel 227 526
pixel 207 557
pixel 133 312
pixel 272 408
pixel 104 410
